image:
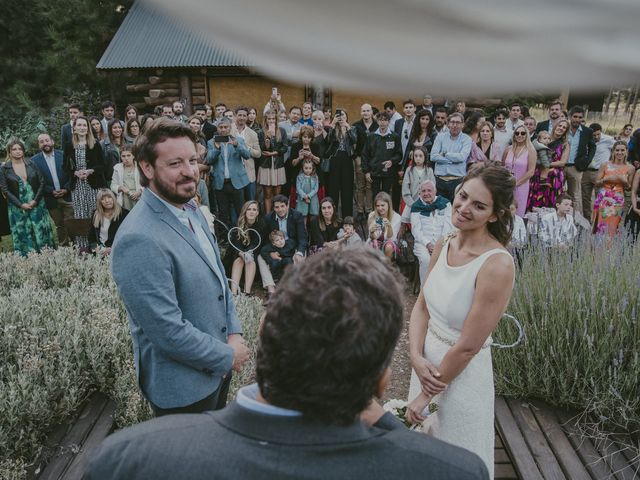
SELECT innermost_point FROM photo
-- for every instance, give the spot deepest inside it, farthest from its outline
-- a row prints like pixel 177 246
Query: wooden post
pixel 564 97
pixel 633 107
pixel 185 93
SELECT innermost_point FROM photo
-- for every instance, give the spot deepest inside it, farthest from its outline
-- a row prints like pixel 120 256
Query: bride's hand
pixel 415 408
pixel 428 376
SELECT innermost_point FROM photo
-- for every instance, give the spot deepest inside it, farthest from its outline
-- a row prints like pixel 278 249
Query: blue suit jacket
pixel 180 313
pixel 237 172
pixel 50 201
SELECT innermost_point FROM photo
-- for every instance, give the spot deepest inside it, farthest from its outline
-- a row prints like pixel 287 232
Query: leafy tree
pixel 50 49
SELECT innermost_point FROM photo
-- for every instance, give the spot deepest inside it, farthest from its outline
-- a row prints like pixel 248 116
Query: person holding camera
pixel 226 154
pixel 342 140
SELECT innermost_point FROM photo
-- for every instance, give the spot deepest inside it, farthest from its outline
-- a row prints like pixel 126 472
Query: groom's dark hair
pixel 329 334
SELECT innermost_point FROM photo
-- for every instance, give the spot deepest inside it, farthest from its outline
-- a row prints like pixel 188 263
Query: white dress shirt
pixel 51 163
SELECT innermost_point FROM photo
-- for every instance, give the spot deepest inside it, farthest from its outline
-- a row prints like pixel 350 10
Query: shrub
pixel 26 130
pixel 579 310
pixel 64 334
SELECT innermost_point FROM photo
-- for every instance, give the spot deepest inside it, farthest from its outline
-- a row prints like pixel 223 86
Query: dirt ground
pixel 400 366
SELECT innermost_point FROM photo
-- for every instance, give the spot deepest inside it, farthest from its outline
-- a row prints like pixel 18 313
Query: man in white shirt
pixel 501 134
pixel 557 229
pixel 57 197
pixel 430 220
pixel 394 116
pixel 604 144
pixel 514 120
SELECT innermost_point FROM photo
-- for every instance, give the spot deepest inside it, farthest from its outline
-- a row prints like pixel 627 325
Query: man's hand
pixel 233 141
pixel 430 247
pixel 387 164
pixel 367 176
pixel 240 351
pixel 275 256
pixel 297 259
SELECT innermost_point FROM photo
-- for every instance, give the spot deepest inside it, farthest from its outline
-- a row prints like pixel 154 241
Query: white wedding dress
pixel 466 408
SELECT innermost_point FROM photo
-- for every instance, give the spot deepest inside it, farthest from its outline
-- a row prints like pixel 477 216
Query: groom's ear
pixel 383 382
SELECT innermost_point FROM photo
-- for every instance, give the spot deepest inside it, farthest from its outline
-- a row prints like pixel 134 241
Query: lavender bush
pixel 580 310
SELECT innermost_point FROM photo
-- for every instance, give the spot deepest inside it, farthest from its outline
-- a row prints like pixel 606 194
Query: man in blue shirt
pixel 449 154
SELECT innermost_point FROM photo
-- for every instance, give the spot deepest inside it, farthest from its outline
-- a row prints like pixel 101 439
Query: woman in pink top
pixel 520 159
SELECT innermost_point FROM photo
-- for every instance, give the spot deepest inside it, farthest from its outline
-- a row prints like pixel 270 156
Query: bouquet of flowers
pixel 398 408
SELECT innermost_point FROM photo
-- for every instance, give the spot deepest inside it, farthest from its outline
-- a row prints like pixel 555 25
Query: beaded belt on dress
pixel 440 335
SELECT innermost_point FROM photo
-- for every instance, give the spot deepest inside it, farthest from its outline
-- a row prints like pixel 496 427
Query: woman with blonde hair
pixel 126 179
pixel 107 219
pixel 390 221
pixel 84 162
pixel 544 194
pixel 271 172
pixel 520 159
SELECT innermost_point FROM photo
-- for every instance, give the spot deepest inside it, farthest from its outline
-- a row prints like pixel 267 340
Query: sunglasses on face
pixel 520 134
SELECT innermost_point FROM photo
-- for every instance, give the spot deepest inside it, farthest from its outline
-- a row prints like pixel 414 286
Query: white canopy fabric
pixel 446 47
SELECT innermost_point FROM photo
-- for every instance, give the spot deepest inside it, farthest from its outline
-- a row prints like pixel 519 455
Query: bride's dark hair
pixel 501 184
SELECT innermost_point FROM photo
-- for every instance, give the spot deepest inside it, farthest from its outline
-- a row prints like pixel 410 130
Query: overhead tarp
pixel 446 47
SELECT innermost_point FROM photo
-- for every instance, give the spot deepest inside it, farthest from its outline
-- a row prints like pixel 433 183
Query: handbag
pixel 325 164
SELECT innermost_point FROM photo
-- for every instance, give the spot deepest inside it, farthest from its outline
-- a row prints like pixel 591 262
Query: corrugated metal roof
pixel 148 38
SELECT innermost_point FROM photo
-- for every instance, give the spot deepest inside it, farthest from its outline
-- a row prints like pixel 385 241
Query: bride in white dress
pixel 466 292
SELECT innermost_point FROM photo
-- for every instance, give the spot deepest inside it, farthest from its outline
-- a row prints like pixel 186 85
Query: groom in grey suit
pixel 166 264
pixel 321 360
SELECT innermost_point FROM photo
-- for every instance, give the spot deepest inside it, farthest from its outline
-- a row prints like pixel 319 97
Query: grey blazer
pixel 180 312
pixel 237 443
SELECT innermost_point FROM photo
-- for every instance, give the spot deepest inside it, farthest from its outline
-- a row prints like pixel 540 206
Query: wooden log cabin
pixel 165 61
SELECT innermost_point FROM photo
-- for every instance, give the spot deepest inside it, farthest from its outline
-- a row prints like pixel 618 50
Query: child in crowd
pixel 278 253
pixel 415 175
pixel 376 236
pixel 557 229
pixel 543 154
pixel 347 235
pixel 307 186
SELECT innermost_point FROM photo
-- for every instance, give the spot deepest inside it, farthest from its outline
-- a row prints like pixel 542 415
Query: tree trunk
pixel 144 87
pixel 155 80
pixel 185 94
pixel 163 92
pixel 160 101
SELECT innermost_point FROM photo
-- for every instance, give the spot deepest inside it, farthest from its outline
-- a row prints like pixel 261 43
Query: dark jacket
pixel 280 147
pixel 209 130
pixel 295 229
pixel 316 150
pixel 10 182
pixel 333 143
pixel 94 232
pixel 427 144
pixel 66 135
pixel 586 149
pixel 380 148
pixel 317 236
pixel 363 132
pixel 543 126
pixel 50 201
pixel 95 161
pixel 286 257
pixel 239 443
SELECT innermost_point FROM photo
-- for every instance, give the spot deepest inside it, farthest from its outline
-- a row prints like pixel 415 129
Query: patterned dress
pixel 544 195
pixel 83 197
pixel 31 230
pixel 609 204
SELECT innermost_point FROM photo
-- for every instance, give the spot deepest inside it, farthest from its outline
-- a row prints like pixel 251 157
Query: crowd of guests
pixel 302 180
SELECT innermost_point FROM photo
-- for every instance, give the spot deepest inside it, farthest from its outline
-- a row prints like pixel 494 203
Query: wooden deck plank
pixel 566 455
pixel 515 443
pixel 505 471
pixel 101 429
pixel 501 456
pixel 73 440
pixel 632 457
pixel 616 460
pixel 542 453
pixel 592 460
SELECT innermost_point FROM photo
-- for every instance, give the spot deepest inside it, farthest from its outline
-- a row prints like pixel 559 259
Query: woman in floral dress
pixel 544 194
pixel 23 185
pixel 84 162
pixel 614 178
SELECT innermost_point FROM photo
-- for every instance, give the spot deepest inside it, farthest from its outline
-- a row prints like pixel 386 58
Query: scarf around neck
pixel 425 209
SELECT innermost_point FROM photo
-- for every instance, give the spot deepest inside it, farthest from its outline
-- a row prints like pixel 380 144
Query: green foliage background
pixel 49 50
